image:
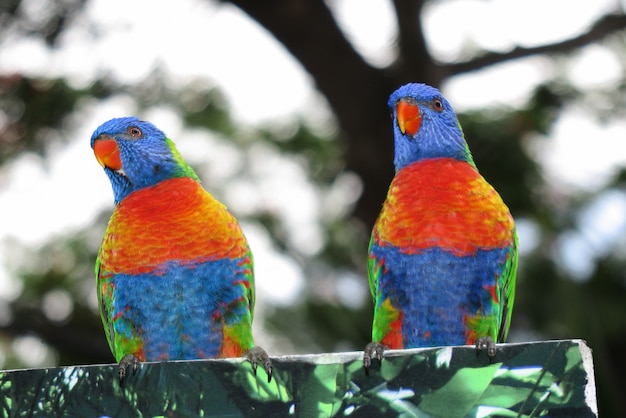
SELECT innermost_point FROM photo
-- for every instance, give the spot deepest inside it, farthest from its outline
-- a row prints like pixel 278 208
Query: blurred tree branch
pixel 356 91
pixel 414 57
pixel 602 28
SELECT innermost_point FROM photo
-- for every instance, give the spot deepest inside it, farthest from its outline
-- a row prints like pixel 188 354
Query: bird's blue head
pixel 136 154
pixel 425 126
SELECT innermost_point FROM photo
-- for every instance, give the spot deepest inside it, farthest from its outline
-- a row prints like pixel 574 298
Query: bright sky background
pixel 262 82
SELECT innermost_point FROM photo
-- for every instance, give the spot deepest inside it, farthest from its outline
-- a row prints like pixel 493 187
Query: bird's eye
pixel 134 131
pixel 437 104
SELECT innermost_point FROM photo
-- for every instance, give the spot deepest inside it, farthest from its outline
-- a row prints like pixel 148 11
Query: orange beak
pixel 409 118
pixel 107 153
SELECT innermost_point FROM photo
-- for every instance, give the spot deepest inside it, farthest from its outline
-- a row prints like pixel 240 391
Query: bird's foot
pixel 372 350
pixel 257 355
pixel 486 343
pixel 127 360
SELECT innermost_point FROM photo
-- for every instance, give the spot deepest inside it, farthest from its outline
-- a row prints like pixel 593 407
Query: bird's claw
pixel 486 343
pixel 372 350
pixel 127 360
pixel 255 355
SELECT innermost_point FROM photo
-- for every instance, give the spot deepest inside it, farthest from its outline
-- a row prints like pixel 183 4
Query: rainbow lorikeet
pixel 175 275
pixel 443 251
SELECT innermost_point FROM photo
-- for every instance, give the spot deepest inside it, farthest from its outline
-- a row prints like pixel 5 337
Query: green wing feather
pixel 506 284
pixel 251 293
pixel 373 271
pixel 105 308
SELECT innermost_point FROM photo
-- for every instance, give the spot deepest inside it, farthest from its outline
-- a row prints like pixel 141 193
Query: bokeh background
pixel 281 107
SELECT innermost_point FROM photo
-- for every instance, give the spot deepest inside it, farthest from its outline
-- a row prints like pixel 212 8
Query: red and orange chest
pixel 176 220
pixel 443 203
